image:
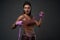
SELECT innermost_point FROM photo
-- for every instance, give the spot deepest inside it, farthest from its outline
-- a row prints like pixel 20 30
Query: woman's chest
pixel 26 18
pixel 28 21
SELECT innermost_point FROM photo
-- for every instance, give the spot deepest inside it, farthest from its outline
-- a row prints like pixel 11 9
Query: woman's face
pixel 27 9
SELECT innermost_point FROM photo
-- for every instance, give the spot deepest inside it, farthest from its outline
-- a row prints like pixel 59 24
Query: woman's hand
pixel 19 23
pixel 41 14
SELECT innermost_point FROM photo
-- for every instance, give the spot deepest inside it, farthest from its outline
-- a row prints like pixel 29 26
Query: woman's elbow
pixel 38 25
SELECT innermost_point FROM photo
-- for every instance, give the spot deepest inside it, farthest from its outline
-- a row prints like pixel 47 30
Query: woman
pixel 28 22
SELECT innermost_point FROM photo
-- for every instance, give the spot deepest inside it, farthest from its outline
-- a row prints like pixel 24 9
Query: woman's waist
pixel 28 28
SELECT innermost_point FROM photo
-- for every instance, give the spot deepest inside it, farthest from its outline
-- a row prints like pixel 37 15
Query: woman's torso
pixel 29 28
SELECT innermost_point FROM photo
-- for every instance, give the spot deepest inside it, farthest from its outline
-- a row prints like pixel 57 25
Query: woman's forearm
pixel 14 26
pixel 40 21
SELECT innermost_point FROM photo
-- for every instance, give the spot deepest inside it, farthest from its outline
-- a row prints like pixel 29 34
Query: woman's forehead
pixel 26 6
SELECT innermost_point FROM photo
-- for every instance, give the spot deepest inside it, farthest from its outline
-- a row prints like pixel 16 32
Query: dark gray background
pixel 11 9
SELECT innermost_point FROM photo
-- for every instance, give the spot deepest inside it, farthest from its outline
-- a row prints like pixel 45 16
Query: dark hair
pixel 27 3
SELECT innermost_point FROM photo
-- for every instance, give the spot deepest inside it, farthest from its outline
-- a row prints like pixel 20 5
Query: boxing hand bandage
pixel 19 23
pixel 41 14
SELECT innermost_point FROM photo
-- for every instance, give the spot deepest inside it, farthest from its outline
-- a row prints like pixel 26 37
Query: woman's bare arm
pixel 38 23
pixel 19 18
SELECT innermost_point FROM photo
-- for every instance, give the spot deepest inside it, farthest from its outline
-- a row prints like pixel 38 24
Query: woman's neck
pixel 28 15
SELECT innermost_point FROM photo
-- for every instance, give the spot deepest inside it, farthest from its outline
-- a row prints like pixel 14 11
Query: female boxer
pixel 28 22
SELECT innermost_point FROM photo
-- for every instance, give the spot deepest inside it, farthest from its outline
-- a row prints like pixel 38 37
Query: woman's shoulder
pixel 21 16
